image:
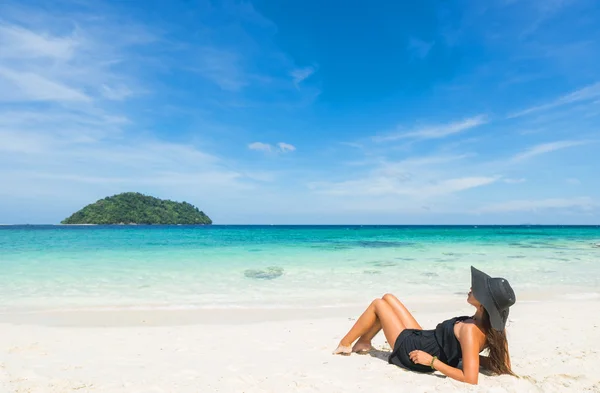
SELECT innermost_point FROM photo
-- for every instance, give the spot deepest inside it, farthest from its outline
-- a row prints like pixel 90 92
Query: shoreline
pixel 138 317
pixel 153 314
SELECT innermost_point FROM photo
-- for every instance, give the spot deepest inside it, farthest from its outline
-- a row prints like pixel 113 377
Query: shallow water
pixel 63 267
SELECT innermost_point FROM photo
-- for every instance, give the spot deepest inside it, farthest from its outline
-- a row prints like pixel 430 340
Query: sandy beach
pixel 553 346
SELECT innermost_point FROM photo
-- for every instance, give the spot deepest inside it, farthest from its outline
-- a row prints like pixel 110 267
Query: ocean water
pixel 89 267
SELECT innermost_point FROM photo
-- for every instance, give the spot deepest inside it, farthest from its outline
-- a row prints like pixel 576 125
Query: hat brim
pixel 480 285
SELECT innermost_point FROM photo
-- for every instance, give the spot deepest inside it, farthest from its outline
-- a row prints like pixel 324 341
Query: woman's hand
pixel 420 357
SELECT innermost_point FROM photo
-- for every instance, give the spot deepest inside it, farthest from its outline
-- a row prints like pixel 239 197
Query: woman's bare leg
pixel 405 316
pixel 379 311
pixel 409 322
pixel 364 342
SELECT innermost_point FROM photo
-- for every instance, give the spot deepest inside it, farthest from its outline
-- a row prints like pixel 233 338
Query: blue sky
pixel 283 112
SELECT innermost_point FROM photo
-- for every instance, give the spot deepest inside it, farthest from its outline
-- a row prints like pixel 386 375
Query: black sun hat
pixel 495 295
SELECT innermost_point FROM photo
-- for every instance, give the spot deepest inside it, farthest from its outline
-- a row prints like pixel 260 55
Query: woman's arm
pixel 421 357
pixel 452 372
pixel 470 358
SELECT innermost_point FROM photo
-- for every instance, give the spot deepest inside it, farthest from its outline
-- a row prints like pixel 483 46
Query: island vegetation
pixel 136 208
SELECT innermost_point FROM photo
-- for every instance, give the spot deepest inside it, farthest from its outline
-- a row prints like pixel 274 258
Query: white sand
pixel 555 348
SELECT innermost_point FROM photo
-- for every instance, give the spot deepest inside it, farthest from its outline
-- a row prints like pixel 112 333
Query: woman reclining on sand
pixel 452 340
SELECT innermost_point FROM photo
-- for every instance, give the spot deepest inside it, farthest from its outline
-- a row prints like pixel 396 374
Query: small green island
pixel 130 208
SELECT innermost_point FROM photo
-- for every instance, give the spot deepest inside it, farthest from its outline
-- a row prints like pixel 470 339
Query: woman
pixel 452 340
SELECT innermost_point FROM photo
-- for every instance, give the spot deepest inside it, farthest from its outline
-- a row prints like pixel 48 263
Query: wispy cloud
pixel 245 11
pixel 546 148
pixel 260 146
pixel 245 64
pixel 352 144
pixel 33 152
pixel 18 43
pixel 437 131
pixel 57 61
pixel 587 93
pixel 514 181
pixel 300 74
pixel 431 160
pixel 116 93
pixel 286 147
pixel 281 147
pixel 458 184
pixel 400 185
pixel 222 67
pixel 18 86
pixel 583 203
pixel 543 11
pixel 419 48
pixel 61 134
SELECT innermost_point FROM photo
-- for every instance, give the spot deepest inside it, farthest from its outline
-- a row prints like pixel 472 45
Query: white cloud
pixel 27 86
pixel 584 203
pixel 546 148
pixel 23 142
pixel 406 182
pixel 222 67
pixel 261 176
pixel 434 132
pixel 514 181
pixel 62 138
pixel 589 92
pixel 37 152
pixel 46 129
pixel 18 43
pixel 300 74
pixel 401 184
pixel 260 146
pixel 116 93
pixel 574 181
pixel 53 60
pixel 352 144
pixel 281 147
pixel 286 147
pixel 431 160
pixel 459 184
pixel 246 11
pixel 541 11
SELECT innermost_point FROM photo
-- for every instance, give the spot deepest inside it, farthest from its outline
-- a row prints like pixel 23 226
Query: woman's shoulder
pixel 468 330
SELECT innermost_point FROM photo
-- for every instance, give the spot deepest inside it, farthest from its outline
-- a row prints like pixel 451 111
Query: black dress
pixel 440 342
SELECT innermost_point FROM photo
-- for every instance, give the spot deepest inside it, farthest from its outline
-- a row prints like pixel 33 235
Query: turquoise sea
pixel 87 267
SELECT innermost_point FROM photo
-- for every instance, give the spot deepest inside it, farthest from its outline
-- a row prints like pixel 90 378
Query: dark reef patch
pixel 382 244
pixel 268 273
pixel 383 263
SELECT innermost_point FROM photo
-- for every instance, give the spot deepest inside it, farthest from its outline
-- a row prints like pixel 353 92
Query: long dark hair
pixel 497 346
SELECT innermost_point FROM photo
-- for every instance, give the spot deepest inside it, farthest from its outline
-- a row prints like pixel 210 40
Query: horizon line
pixel 301 225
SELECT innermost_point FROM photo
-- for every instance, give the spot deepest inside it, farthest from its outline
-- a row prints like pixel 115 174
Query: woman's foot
pixel 362 347
pixel 343 350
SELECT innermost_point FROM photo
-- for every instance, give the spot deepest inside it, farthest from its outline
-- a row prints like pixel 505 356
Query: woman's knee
pixel 388 297
pixel 377 303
